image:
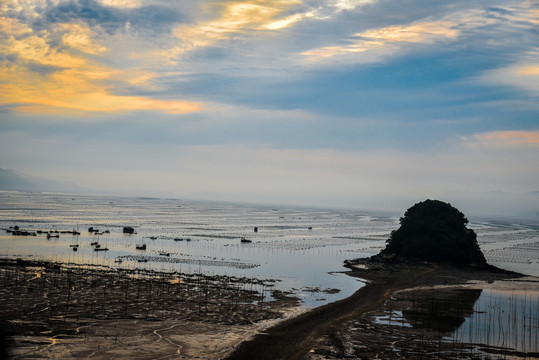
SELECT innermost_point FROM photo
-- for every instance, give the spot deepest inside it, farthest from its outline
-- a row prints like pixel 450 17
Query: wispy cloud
pixel 58 70
pixel 522 75
pixel 129 4
pixel 235 19
pixel 377 43
pixel 504 139
pixel 342 97
pixel 393 37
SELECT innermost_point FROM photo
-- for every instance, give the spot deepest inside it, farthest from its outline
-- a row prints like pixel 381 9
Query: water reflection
pixel 506 319
pixel 443 311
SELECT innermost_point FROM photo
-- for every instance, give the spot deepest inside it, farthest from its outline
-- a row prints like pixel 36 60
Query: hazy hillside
pixel 14 180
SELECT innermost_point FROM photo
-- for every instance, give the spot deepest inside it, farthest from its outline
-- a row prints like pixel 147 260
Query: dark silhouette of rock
pixel 433 230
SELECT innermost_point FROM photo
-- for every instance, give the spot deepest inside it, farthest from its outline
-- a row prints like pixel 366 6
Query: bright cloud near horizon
pixel 320 102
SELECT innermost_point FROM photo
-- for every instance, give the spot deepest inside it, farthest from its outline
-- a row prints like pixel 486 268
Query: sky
pixel 354 103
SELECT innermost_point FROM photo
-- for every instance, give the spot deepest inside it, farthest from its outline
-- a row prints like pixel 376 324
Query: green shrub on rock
pixel 433 230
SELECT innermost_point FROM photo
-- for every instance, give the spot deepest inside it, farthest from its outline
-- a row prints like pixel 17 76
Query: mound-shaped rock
pixel 433 230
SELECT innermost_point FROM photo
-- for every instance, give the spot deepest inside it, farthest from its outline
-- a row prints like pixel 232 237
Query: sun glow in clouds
pixel 40 77
pixel 324 98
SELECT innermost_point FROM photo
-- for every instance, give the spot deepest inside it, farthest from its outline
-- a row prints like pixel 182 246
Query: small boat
pixel 140 247
pixel 94 243
pixel 142 260
pixel 74 245
pixel 97 246
pixel 52 236
pixel 153 237
pixel 75 249
pixel 178 239
pixel 245 241
pixel 101 249
pixel 163 253
pixel 118 260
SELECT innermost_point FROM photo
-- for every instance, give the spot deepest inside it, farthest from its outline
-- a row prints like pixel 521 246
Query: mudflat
pixel 346 329
pixel 60 311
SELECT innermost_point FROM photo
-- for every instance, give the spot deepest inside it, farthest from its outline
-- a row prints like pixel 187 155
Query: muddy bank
pixel 346 329
pixel 61 311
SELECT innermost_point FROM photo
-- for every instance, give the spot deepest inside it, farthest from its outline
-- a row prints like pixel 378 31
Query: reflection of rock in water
pixel 440 310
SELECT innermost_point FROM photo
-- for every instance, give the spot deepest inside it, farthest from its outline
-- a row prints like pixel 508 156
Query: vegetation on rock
pixel 433 230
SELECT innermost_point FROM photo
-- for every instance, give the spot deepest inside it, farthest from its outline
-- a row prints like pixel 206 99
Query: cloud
pixel 504 139
pixel 377 43
pixel 39 75
pixel 232 20
pixel 80 37
pixel 388 40
pixel 522 75
pixel 229 19
pixel 125 4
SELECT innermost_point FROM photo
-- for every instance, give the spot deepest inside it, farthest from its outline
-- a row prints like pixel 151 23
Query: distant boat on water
pixel 140 247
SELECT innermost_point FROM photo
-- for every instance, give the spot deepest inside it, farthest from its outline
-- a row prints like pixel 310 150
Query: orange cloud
pixel 415 33
pixel 43 79
pixel 509 138
pixel 232 18
pixel 528 70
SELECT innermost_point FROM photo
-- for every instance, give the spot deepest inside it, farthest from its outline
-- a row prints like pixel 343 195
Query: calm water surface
pixel 303 248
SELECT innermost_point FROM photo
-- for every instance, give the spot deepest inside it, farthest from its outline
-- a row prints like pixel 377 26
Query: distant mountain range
pixel 17 181
pixel 14 180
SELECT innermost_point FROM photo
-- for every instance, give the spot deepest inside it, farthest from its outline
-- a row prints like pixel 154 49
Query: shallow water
pixel 303 248
pixel 507 319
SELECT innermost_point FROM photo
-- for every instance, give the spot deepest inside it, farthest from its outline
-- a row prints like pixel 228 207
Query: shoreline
pixel 126 316
pixel 321 333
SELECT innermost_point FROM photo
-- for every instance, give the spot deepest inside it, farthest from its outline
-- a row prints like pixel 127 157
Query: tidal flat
pixel 440 312
pixel 53 310
pixel 196 291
